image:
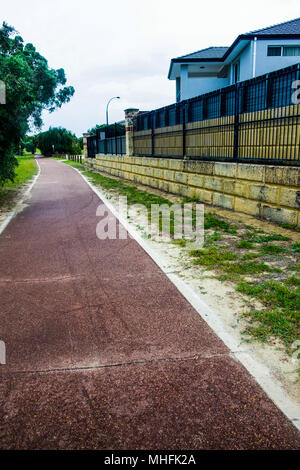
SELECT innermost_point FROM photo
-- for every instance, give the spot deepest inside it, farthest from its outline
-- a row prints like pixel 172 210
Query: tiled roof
pixel 208 53
pixel 289 27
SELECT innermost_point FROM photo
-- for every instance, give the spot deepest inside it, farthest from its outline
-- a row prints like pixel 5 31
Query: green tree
pixel 31 86
pixel 58 140
pixel 93 130
pixel 111 130
pixel 30 144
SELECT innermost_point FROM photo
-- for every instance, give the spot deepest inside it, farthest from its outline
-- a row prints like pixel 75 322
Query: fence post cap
pixel 127 110
pixel 130 112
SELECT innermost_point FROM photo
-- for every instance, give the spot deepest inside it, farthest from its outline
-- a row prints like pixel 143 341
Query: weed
pixel 293 281
pixel 252 267
pixel 212 238
pixel 296 247
pixel 248 256
pixel 290 227
pixel 281 318
pixel 245 244
pixel 266 238
pixel 272 249
pixel 181 243
pixel 211 221
pixel 273 293
pixel 212 257
pixel 265 324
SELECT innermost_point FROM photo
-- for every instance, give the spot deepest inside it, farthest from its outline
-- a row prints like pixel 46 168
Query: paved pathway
pixel 103 351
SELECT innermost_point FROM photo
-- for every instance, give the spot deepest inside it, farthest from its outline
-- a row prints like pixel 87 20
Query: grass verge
pixel 25 171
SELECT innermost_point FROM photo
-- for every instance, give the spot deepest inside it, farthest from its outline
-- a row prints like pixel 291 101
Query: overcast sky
pixel 124 47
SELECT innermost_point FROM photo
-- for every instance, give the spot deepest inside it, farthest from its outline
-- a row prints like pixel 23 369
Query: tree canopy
pixel 111 130
pixel 58 140
pixel 93 130
pixel 31 86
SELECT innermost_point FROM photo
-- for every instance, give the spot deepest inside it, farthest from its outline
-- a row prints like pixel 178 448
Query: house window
pixel 274 51
pixel 291 50
pixel 285 51
pixel 236 72
pixel 178 91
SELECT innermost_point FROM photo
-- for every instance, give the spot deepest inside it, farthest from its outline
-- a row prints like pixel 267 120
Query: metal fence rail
pixel 255 120
pixel 108 140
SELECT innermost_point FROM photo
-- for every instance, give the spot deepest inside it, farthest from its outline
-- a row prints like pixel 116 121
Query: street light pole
pixel 113 98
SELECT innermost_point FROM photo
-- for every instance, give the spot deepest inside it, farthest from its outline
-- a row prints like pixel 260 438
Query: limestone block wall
pixel 270 192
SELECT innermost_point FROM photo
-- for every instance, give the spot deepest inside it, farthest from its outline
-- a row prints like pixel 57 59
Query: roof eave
pixel 188 61
pixel 259 37
pixel 208 59
pixel 170 70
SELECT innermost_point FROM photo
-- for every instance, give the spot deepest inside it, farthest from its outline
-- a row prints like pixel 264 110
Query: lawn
pixel 25 171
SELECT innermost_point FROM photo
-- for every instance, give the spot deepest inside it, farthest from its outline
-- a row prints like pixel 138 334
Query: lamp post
pixel 113 98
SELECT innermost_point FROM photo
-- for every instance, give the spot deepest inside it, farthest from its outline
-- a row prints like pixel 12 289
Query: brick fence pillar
pixel 129 115
pixel 85 149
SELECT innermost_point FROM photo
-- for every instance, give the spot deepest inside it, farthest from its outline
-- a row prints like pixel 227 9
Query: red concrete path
pixel 103 351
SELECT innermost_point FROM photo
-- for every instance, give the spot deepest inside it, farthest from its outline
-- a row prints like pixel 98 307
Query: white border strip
pixel 17 208
pixel 260 372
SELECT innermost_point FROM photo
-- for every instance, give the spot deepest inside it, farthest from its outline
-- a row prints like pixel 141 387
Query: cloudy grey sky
pixel 124 47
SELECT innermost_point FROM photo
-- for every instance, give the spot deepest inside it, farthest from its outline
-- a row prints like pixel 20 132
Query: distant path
pixel 103 351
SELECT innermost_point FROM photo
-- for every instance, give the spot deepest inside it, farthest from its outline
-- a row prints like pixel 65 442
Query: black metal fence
pixel 108 140
pixel 261 123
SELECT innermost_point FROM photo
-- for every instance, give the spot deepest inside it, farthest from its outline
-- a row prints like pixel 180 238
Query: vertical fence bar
pixel 183 131
pixel 105 140
pixel 152 134
pixel 116 142
pixel 236 123
pixel 297 123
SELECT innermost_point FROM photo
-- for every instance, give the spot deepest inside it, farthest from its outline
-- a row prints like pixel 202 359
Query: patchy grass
pixel 273 249
pixel 281 317
pixel 251 267
pixel 212 256
pixel 267 279
pixel 290 227
pixel 296 247
pixel 245 244
pixel 273 293
pixel 253 237
pixel 213 238
pixel 293 281
pixel 212 221
pixel 248 256
pixel 25 171
pixel 295 267
pixel 182 243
